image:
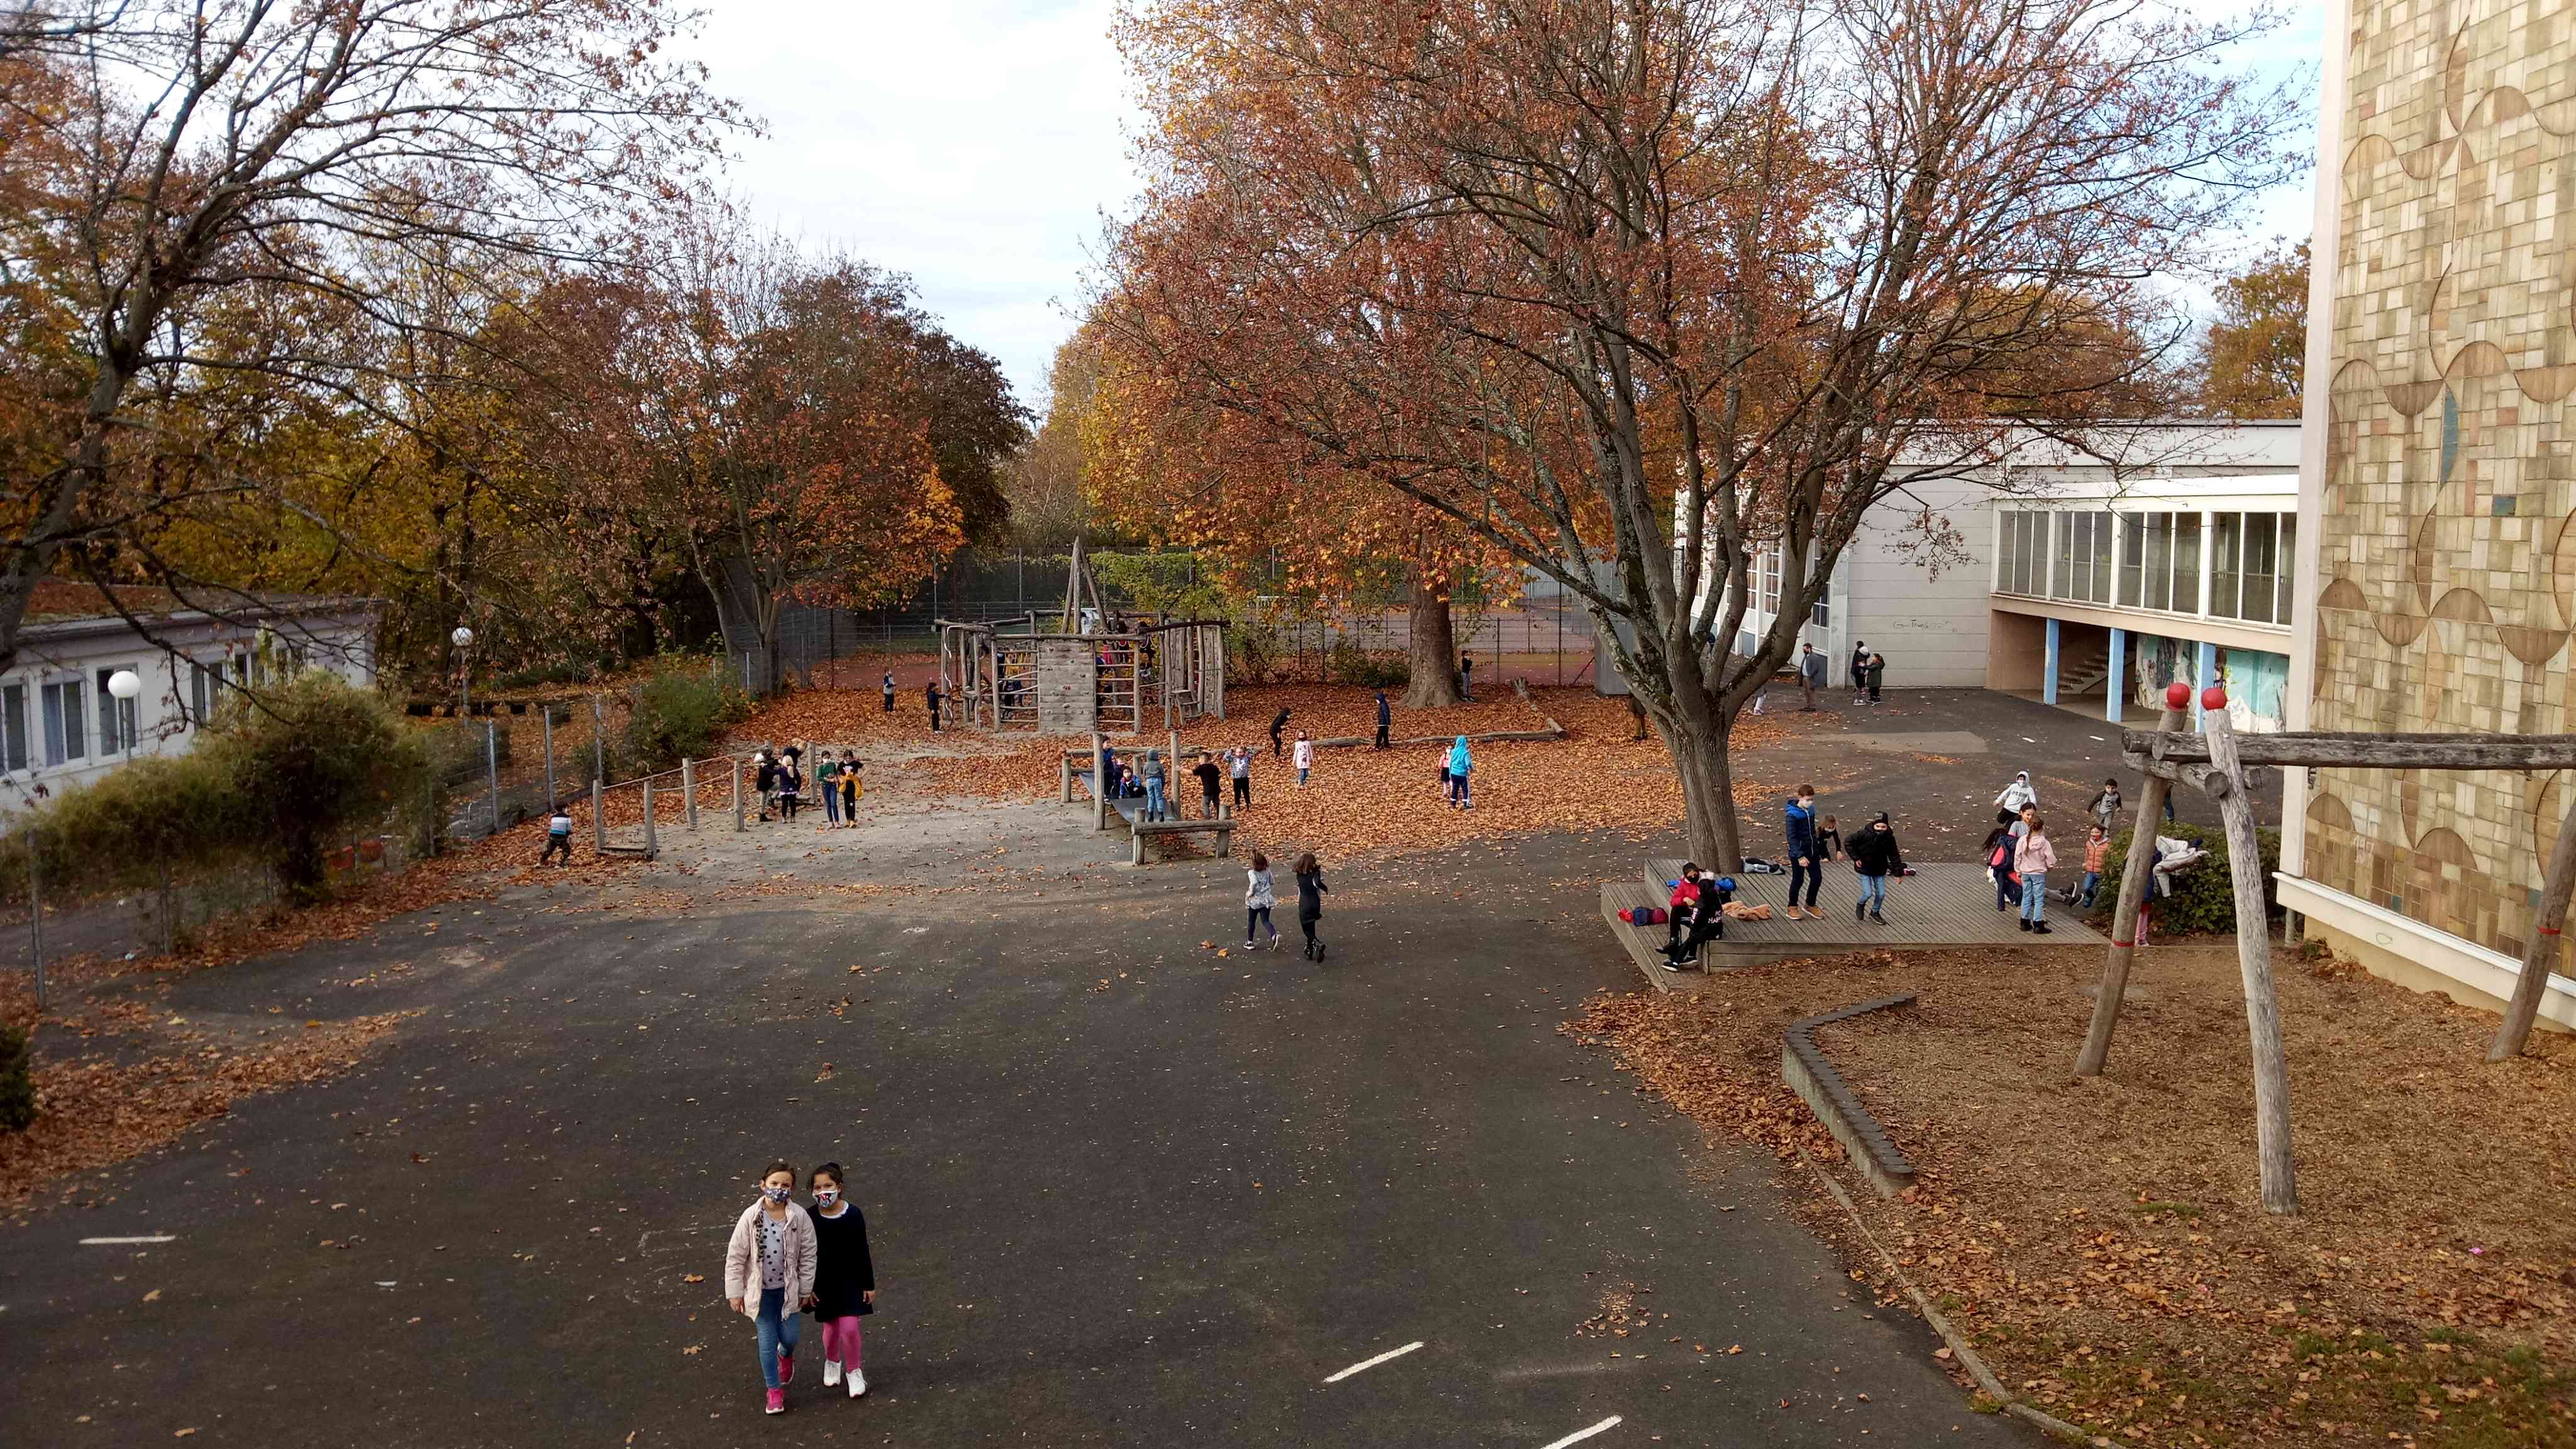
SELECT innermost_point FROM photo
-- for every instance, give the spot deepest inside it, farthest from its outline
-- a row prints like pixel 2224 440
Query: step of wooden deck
pixel 1947 903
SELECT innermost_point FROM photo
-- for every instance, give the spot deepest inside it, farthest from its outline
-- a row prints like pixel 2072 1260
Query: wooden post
pixel 2254 961
pixel 598 816
pixel 2137 873
pixel 736 763
pixel 1064 787
pixel 1099 777
pixel 650 840
pixel 689 790
pixel 2540 952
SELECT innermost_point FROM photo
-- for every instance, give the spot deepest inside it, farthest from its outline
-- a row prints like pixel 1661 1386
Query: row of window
pixel 71 716
pixel 2151 560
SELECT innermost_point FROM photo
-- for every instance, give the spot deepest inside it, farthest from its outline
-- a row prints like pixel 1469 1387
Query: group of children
pixel 780 779
pixel 2019 855
pixel 784 1261
pixel 1261 896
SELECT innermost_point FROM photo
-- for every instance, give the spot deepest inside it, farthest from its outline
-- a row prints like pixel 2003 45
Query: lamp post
pixel 125 685
pixel 463 639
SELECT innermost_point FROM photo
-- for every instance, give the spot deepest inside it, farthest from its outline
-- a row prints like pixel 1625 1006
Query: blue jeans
pixel 2034 896
pixel 1154 799
pixel 777 1332
pixel 2092 886
pixel 832 801
pixel 1873 891
pixel 1458 790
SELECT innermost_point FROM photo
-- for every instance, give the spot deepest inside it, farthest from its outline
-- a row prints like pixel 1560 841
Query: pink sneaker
pixel 786 1367
pixel 777 1402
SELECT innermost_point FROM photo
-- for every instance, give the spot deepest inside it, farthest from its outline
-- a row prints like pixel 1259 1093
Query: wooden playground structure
pixel 1084 670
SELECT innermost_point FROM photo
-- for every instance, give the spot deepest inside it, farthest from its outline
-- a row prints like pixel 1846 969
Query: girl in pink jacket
pixel 2034 857
pixel 769 1275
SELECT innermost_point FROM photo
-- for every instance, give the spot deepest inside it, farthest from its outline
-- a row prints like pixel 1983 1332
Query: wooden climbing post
pixel 598 816
pixel 2540 952
pixel 2254 962
pixel 2137 873
pixel 737 792
pixel 650 840
pixel 689 790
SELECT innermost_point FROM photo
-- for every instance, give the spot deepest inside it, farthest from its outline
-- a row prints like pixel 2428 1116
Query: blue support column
pixel 2208 677
pixel 2048 670
pixel 2116 686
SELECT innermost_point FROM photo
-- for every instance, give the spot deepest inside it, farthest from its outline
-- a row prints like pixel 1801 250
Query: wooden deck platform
pixel 1943 904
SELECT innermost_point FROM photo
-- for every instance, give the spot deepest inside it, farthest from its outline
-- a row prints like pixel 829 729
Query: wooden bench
pixel 1132 810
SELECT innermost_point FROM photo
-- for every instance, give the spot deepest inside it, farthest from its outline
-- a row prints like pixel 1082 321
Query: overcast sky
pixel 976 145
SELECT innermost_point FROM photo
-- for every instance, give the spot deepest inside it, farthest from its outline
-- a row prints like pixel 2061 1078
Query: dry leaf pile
pixel 2103 1241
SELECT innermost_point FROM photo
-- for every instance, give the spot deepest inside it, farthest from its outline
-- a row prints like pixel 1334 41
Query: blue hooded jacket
pixel 1802 830
pixel 1459 760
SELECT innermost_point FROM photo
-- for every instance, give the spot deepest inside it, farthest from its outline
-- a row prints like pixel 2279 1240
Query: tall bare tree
pixel 1639 291
pixel 324 155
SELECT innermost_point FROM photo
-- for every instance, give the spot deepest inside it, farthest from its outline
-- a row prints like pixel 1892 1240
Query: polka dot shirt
pixel 773 1251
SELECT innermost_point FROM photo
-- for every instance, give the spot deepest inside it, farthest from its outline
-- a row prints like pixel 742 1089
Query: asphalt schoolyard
pixel 1121 1189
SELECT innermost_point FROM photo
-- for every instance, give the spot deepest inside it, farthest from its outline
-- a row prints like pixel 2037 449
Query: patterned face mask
pixel 775 1194
pixel 826 1196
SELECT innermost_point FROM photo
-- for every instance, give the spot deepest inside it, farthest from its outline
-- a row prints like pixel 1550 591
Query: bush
pixel 306 762
pixel 678 713
pixel 1348 663
pixel 2204 896
pixel 17 1079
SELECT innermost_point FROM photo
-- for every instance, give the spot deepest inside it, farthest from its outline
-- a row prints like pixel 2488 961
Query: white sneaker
pixel 858 1383
pixel 831 1373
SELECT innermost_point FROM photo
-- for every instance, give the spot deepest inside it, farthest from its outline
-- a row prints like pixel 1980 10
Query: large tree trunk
pixel 1434 653
pixel 1698 740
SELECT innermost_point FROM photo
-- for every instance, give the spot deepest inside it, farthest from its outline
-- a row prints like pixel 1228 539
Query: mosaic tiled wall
pixel 2446 565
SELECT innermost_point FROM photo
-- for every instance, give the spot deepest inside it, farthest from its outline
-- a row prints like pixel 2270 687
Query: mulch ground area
pixel 2103 1241
pixel 1359 801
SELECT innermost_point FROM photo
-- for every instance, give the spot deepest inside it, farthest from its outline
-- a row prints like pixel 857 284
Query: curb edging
pixel 1824 1091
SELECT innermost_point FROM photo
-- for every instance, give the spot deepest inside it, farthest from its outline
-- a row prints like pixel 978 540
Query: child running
pixel 1259 895
pixel 845 1278
pixel 769 1275
pixel 1311 891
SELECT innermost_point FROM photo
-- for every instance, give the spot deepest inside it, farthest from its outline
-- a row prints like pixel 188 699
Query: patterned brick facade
pixel 2446 559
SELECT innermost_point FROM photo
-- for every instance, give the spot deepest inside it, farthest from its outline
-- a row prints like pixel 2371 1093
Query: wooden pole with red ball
pixel 2128 916
pixel 2253 953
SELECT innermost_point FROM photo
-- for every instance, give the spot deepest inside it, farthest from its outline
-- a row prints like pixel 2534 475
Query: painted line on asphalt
pixel 1364 1365
pixel 121 1242
pixel 1579 1435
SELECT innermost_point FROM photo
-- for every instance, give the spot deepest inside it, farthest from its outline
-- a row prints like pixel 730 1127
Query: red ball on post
pixel 2213 698
pixel 2177 695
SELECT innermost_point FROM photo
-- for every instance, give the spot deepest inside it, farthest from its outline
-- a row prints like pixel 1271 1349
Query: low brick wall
pixel 1823 1089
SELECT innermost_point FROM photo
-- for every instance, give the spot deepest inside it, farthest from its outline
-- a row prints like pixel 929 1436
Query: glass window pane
pixel 13 717
pixel 2062 527
pixel 2034 566
pixel 2226 566
pixel 2007 547
pixel 75 722
pixel 2256 598
pixel 2101 559
pixel 2132 557
pixel 2159 565
pixel 2186 563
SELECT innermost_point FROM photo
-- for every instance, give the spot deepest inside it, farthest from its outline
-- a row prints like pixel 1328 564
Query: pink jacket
pixel 2034 855
pixel 742 1259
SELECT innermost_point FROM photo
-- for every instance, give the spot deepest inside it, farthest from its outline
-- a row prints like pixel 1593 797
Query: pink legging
pixel 841 1340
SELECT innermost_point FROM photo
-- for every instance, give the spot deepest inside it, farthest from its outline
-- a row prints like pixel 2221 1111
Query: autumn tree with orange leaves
pixel 1627 290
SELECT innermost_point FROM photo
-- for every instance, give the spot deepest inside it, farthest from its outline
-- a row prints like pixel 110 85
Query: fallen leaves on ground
pixel 143 1083
pixel 2103 1241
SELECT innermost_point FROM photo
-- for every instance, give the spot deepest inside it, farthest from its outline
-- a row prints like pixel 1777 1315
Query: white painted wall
pixel 1930 624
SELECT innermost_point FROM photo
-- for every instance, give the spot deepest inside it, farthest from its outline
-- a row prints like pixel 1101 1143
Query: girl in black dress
pixel 845 1280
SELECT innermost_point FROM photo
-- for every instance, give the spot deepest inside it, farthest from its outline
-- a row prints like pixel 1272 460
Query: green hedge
pixel 17 1080
pixel 2204 896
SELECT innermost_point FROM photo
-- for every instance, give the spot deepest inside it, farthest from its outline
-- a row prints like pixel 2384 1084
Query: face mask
pixel 774 1194
pixel 826 1196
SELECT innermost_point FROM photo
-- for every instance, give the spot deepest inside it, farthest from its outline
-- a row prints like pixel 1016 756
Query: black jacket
pixel 842 1268
pixel 1873 852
